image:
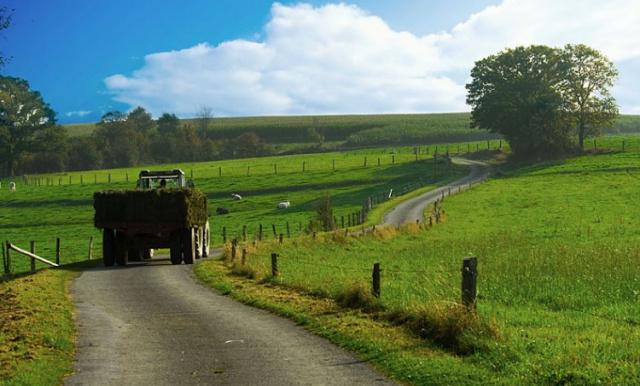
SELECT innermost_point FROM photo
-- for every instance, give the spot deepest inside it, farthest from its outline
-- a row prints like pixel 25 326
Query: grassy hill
pixel 558 246
pixel 360 130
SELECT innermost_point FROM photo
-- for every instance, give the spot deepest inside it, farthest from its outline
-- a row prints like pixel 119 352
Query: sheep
pixel 236 197
pixel 12 186
pixel 284 204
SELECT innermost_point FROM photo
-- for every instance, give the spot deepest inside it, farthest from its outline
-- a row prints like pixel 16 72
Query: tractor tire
pixel 175 252
pixel 188 245
pixel 147 253
pixel 205 240
pixel 108 247
pixel 121 249
pixel 134 254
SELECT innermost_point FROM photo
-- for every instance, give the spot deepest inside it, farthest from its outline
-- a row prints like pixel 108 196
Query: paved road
pixel 153 324
pixel 413 209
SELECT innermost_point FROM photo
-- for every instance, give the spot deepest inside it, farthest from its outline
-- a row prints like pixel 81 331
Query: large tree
pixel 589 77
pixel 516 93
pixel 24 117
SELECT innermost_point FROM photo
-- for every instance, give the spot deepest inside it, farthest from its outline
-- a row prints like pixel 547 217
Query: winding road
pixel 152 323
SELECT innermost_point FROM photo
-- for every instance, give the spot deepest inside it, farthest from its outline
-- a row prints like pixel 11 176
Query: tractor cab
pixel 163 179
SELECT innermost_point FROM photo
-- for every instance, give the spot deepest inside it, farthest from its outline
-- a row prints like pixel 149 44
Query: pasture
pixel 60 205
pixel 558 245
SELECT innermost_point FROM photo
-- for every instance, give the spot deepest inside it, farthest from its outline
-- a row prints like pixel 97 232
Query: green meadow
pixel 47 207
pixel 558 246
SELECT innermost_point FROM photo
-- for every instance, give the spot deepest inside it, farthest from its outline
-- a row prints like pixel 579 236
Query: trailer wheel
pixel 175 252
pixel 205 240
pixel 121 249
pixel 198 234
pixel 188 246
pixel 108 255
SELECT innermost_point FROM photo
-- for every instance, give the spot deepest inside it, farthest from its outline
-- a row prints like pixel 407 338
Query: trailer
pixel 164 211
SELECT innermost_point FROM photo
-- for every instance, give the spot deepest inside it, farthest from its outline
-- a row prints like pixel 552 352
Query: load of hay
pixel 181 207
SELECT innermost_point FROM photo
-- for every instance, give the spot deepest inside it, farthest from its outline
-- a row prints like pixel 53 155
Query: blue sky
pixel 258 58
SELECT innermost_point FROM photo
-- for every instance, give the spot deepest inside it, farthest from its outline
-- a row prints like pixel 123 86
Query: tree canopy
pixel 540 98
pixel 25 119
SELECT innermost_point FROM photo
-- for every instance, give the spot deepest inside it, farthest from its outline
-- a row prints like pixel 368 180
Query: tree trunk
pixel 581 130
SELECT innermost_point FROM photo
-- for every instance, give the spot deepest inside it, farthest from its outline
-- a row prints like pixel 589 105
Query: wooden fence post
pixel 342 221
pixel 469 282
pixel 623 146
pixel 7 268
pixel 376 280
pixel 81 179
pixel 90 248
pixel 275 169
pixel 393 159
pixel 244 256
pixel 224 234
pixel 58 250
pixel 234 244
pixel 314 235
pixel 275 234
pixel 260 232
pixel 288 231
pixel 126 176
pixel 365 161
pixel 4 260
pixel 109 177
pixel 303 165
pixel 32 249
pixel 219 171
pixel 334 165
pixel 244 233
pixel 280 238
pixel 274 264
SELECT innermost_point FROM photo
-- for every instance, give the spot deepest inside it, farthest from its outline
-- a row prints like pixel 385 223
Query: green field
pixel 359 130
pixel 558 246
pixel 59 205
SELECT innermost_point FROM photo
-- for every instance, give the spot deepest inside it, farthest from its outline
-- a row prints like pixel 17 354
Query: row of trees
pixel 31 142
pixel 543 100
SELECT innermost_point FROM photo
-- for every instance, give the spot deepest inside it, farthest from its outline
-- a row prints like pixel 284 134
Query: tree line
pixel 32 142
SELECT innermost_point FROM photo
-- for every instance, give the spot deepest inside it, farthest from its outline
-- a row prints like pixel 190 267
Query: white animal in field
pixel 12 186
pixel 284 204
pixel 236 197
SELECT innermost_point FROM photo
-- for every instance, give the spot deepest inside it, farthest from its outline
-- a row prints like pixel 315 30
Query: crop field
pixel 359 130
pixel 558 246
pixel 60 205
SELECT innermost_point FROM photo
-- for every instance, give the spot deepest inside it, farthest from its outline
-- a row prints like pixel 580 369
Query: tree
pixel 324 211
pixel 204 117
pixel 168 124
pixel 140 120
pixel 589 77
pixel 84 154
pixel 23 116
pixel 516 93
pixel 121 145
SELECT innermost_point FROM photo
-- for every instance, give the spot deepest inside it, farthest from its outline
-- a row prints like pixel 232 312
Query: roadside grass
pixel 558 246
pixel 43 213
pixel 37 342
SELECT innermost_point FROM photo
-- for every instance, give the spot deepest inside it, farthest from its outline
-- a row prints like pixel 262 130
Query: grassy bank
pixel 557 246
pixel 37 328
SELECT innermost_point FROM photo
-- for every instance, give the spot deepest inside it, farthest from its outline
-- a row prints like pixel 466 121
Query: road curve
pixel 153 324
pixel 411 210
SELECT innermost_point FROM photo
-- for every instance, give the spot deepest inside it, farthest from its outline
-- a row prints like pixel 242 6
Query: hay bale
pixel 182 207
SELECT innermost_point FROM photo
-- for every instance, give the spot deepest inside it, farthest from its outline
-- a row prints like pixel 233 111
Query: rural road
pixel 151 323
pixel 413 209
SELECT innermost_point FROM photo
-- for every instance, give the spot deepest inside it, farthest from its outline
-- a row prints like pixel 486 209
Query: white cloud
pixel 79 113
pixel 339 59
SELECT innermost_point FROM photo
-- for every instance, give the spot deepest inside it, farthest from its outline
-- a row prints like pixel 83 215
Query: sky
pixel 247 58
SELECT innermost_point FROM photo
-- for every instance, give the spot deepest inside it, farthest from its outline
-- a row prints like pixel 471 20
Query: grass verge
pixel 37 331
